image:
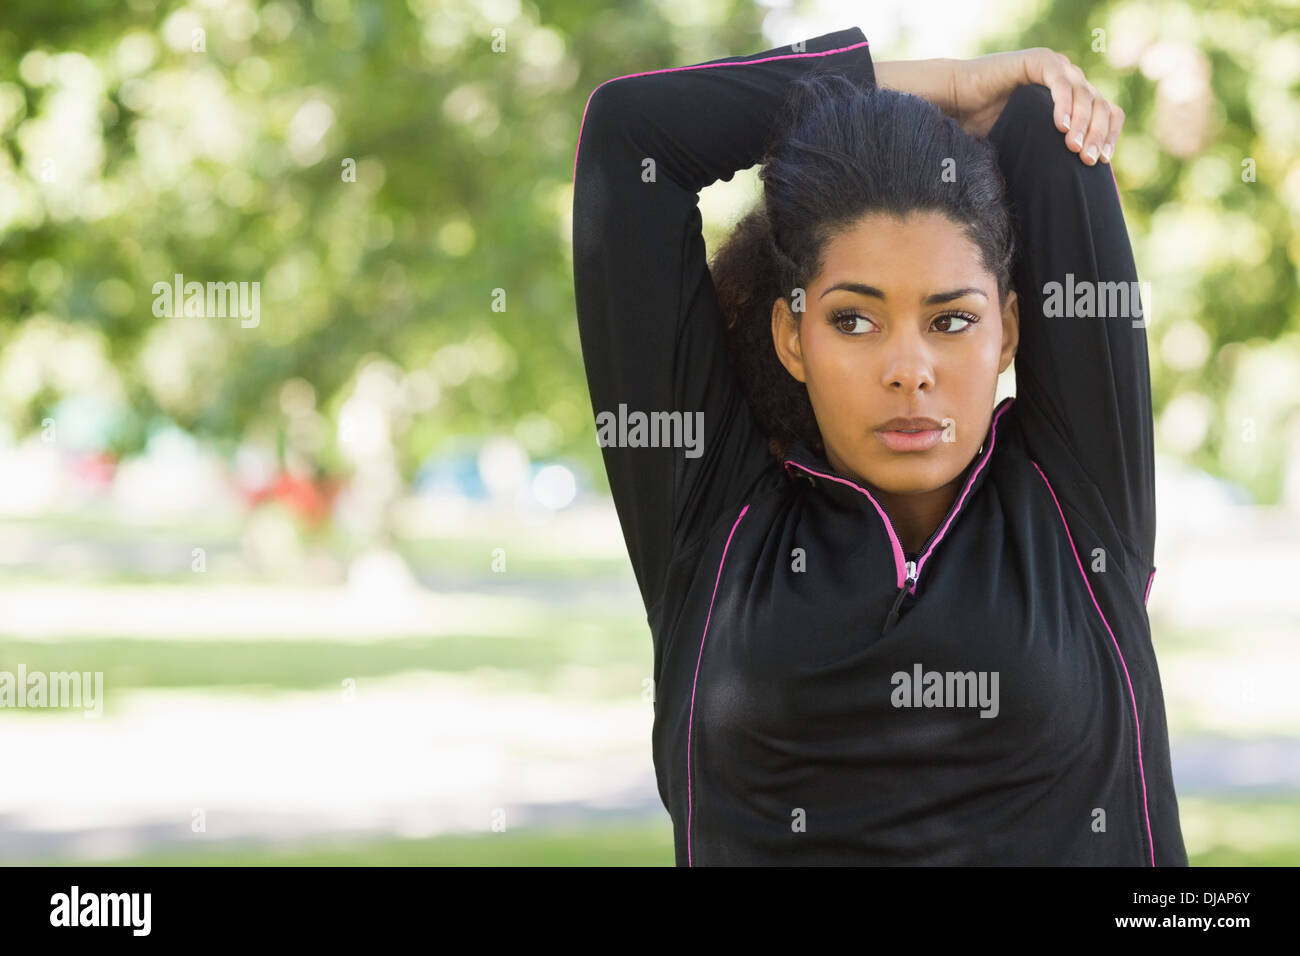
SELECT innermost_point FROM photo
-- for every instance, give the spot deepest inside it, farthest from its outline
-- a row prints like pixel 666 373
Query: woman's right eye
pixel 841 319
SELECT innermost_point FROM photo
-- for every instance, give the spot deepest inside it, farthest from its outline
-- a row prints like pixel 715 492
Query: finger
pixel 1116 124
pixel 1080 117
pixel 1057 80
pixel 1098 130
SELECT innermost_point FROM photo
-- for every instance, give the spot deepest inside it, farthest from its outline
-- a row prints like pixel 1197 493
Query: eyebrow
pixel 933 299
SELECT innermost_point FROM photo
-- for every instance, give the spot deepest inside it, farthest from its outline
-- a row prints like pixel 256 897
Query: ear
pixel 785 339
pixel 1010 330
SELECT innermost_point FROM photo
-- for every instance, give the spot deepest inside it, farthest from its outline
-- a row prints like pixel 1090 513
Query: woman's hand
pixel 981 87
pixel 974 92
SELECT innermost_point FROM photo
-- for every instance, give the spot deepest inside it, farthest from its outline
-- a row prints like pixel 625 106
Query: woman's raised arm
pixel 680 443
pixel 1083 381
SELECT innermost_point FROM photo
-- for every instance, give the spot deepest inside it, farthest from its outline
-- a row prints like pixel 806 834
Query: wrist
pixel 933 80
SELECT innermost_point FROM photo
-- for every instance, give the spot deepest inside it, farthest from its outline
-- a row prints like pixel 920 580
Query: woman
pixel 893 623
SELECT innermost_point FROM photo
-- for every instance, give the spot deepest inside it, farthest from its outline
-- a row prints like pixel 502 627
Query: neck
pixel 915 517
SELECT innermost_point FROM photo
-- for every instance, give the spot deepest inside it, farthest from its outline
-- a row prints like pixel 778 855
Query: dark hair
pixel 837 152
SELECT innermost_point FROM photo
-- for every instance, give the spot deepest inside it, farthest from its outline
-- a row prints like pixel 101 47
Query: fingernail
pixel 1091 152
pixel 1066 121
pixel 1107 150
pixel 1078 140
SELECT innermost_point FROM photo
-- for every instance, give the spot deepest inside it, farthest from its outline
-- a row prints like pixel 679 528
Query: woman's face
pixel 903 321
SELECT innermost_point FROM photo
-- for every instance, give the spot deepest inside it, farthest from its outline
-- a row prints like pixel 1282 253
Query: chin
pixel 910 474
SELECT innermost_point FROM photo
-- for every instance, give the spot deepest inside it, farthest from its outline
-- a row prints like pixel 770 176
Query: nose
pixel 907 367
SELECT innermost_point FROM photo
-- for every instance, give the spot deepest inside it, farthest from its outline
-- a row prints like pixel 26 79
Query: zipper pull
pixel 902 593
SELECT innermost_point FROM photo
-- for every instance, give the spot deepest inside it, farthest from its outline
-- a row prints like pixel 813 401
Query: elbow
pixel 607 108
pixel 604 133
pixel 1028 143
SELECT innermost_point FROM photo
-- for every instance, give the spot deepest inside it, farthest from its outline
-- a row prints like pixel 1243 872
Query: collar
pixel 803 464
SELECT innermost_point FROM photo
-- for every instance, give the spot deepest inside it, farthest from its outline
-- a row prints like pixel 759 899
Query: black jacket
pixel 780 732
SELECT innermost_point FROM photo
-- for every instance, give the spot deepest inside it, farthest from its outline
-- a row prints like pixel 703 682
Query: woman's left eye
pixel 960 317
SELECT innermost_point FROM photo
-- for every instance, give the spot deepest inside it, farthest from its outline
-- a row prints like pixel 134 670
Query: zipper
pixel 902 593
pixel 913 568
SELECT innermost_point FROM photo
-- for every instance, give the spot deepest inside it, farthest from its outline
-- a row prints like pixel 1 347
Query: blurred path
pixel 415 756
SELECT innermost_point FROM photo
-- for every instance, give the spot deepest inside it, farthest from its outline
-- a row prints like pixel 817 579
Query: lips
pixel 909 425
pixel 910 434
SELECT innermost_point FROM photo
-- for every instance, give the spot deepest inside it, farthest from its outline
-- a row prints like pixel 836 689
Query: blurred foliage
pixel 215 139
pixel 1208 166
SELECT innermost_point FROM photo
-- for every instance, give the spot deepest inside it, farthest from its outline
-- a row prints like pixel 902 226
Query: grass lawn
pixel 1218 832
pixel 612 647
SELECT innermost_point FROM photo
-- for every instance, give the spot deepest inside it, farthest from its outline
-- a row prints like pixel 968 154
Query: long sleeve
pixel 1083 383
pixel 651 331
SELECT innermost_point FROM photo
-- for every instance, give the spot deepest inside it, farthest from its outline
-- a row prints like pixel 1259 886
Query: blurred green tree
pixel 396 175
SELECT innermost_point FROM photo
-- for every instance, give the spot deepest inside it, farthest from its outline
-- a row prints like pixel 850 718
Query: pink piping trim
pixel 1132 696
pixel 698 66
pixel 1148 590
pixel 691 720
